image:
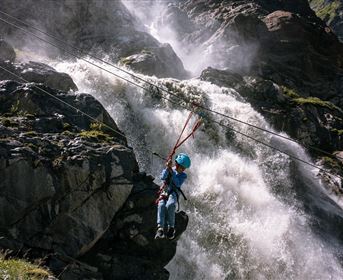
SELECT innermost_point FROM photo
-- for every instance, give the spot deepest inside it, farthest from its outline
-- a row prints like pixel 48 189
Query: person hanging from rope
pixel 173 178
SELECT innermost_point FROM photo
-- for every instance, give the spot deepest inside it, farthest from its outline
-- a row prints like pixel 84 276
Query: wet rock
pixel 38 73
pixel 6 51
pixel 311 121
pixel 41 73
pixel 156 62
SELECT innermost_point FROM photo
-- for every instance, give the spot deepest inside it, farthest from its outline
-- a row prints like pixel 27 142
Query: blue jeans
pixel 166 209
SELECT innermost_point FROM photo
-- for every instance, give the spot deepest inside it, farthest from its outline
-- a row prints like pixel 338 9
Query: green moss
pixel 96 135
pixel 66 126
pixel 68 133
pixel 15 108
pixel 96 126
pixel 17 112
pixel 289 92
pixel 331 162
pixel 327 11
pixel 20 269
pixel 30 133
pixel 338 131
pixel 316 102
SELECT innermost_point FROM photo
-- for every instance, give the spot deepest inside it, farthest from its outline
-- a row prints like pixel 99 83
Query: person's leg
pixel 170 207
pixel 161 209
pixel 161 212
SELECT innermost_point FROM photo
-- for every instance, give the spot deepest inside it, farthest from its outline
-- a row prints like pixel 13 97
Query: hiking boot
pixel 171 233
pixel 159 233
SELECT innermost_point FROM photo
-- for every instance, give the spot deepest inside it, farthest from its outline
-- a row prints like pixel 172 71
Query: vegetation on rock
pixel 326 10
pixel 21 269
pixel 316 102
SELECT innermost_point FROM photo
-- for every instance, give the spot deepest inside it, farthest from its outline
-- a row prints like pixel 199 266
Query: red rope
pixel 171 154
pixel 178 143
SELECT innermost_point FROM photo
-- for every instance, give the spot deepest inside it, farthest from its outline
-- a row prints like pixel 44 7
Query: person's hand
pixel 169 164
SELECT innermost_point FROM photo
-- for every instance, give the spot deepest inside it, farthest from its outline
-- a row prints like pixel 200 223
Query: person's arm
pixel 167 170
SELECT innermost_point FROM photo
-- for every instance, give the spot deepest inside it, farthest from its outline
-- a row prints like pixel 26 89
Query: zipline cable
pixel 151 84
pixel 185 107
pixel 209 119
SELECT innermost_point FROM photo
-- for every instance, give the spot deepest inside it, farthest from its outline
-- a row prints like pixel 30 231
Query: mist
pixel 222 49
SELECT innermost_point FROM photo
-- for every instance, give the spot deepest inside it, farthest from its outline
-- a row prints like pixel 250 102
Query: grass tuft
pixel 16 269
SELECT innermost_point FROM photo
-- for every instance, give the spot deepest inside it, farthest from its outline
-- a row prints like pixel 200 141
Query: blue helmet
pixel 183 160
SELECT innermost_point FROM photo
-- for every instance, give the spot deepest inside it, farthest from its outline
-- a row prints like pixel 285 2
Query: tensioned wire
pixel 183 106
pixel 209 119
pixel 145 81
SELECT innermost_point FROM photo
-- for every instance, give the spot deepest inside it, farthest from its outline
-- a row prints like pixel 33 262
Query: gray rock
pixel 6 51
pixel 38 73
pixel 156 62
pixel 41 73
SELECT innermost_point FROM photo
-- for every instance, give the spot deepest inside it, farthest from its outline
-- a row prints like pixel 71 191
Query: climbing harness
pixel 168 187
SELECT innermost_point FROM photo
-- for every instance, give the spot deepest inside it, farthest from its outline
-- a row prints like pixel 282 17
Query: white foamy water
pixel 245 219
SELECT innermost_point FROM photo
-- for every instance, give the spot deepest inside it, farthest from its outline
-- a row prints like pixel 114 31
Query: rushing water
pixel 246 218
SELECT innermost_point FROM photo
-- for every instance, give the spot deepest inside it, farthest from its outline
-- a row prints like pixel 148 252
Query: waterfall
pixel 247 220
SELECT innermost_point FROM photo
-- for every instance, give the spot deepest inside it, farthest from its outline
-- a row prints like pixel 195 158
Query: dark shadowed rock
pixel 129 249
pixel 314 122
pixel 6 51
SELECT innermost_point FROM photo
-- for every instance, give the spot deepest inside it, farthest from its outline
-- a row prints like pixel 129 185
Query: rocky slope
pixel 71 193
pixel 330 11
pixel 96 26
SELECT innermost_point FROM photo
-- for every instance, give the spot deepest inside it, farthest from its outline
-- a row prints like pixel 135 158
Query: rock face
pixel 312 121
pixel 6 52
pixel 70 185
pixel 95 26
pixel 330 11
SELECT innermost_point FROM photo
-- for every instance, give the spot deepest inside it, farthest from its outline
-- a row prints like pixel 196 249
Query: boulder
pixel 156 62
pixel 6 51
pixel 38 73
